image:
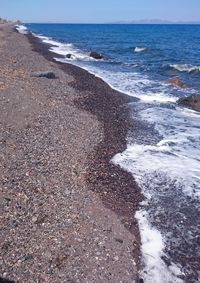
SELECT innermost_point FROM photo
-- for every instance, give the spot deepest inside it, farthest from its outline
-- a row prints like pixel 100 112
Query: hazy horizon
pixel 146 21
pixel 91 11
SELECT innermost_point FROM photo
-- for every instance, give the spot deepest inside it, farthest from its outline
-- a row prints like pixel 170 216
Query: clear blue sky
pixel 86 11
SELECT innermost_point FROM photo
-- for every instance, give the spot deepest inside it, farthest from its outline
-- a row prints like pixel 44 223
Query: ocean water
pixel 163 153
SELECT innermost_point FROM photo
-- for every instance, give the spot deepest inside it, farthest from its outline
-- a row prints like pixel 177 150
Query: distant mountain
pixel 155 22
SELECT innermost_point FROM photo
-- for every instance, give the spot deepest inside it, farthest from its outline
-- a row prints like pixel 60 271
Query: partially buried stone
pixel 192 101
pixel 47 74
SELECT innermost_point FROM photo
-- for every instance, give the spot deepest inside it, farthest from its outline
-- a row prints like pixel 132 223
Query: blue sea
pixel 163 153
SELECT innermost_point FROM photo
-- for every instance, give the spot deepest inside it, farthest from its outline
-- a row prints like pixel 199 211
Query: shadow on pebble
pixel 2 280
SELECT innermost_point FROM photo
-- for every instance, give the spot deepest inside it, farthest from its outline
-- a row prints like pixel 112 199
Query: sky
pixel 99 11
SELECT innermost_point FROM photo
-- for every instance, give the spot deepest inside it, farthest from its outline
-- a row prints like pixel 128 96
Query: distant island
pixel 157 22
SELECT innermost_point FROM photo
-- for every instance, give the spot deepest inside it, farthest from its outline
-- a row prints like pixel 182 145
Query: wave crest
pixel 185 68
pixel 139 49
pixel 67 50
pixel 21 29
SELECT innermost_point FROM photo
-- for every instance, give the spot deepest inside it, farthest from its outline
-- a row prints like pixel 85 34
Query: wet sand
pixel 67 213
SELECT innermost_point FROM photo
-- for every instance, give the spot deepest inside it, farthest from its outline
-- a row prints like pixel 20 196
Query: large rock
pixel 96 55
pixel 68 56
pixel 192 101
pixel 47 74
pixel 177 83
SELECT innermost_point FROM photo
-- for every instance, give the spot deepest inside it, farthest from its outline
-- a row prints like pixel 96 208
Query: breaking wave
pixel 185 68
pixel 67 50
pixel 139 49
pixel 21 29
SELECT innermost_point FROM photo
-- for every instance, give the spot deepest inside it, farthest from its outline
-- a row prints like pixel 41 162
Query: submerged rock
pixel 176 82
pixel 96 55
pixel 192 101
pixel 47 74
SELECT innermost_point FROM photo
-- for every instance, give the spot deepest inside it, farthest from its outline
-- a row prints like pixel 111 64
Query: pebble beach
pixel 66 210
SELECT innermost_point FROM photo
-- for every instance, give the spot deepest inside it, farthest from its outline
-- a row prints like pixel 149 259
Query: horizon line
pixel 116 23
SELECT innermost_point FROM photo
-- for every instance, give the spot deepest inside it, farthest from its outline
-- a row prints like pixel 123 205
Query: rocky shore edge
pixel 115 186
pixel 192 102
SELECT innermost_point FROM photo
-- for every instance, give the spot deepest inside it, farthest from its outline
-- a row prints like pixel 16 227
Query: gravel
pixel 66 212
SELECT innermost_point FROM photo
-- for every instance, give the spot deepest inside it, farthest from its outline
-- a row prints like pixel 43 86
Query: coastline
pixel 111 109
pixel 109 192
pixel 139 167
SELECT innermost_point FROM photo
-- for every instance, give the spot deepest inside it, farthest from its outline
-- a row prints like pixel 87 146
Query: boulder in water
pixel 177 83
pixel 68 56
pixel 47 74
pixel 96 55
pixel 192 101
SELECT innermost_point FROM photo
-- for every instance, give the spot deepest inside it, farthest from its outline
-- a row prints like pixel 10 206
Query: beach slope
pixel 67 213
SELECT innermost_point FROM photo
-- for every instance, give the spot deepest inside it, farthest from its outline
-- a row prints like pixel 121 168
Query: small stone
pixel 67 192
pixel 34 219
pixel 47 74
pixel 28 257
pixel 119 240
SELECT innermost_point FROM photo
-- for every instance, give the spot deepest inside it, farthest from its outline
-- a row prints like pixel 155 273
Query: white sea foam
pixel 136 85
pixel 65 49
pixel 48 40
pixel 139 49
pixel 170 165
pixel 75 53
pixel 185 68
pixel 177 154
pixel 152 249
pixel 21 29
pixel 153 243
pixel 133 84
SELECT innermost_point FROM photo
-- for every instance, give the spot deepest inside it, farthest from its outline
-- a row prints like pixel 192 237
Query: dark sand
pixel 67 213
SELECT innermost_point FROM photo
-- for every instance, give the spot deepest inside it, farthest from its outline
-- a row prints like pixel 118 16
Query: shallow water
pixel 168 173
pixel 163 153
